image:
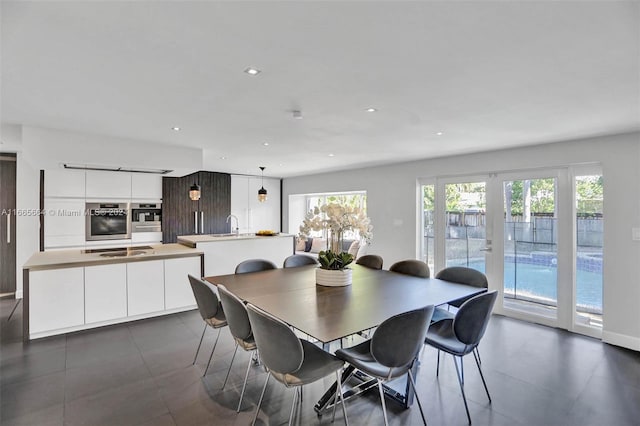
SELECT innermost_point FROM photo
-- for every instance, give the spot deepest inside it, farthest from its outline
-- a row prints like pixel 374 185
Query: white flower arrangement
pixel 336 219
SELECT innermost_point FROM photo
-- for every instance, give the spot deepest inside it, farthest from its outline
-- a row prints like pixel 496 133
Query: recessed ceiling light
pixel 223 158
pixel 331 155
pixel 177 129
pixel 265 143
pixel 252 71
pixel 371 110
pixel 439 134
pixel 297 115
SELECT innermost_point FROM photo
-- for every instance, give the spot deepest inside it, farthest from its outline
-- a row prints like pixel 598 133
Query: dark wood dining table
pixel 332 313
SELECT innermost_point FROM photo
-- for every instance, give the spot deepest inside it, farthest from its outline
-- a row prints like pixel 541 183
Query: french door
pixel 533 246
pixel 455 223
pixel 536 234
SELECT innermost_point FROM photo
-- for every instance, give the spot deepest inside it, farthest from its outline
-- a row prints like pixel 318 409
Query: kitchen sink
pixel 117 249
pixel 126 253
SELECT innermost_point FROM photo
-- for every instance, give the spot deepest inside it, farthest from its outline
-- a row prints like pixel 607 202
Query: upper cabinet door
pixel 108 185
pixel 240 201
pixel 264 215
pixel 64 183
pixel 146 186
pixel 215 202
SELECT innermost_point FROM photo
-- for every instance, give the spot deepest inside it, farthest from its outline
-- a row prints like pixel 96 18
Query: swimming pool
pixel 539 282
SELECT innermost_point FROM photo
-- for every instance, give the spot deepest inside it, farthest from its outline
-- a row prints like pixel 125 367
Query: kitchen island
pixel 222 252
pixel 70 290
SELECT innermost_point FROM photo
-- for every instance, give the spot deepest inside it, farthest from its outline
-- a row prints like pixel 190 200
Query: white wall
pixel 391 205
pixel 40 148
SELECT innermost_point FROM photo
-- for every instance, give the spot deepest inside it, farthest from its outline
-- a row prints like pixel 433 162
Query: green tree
pixel 589 194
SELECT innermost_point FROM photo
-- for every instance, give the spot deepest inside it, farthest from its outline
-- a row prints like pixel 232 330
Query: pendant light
pixel 262 193
pixel 194 192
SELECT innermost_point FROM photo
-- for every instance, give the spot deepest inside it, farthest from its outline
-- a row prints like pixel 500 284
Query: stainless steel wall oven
pixel 108 221
pixel 146 217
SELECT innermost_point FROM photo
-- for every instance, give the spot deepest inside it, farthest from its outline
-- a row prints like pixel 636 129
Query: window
pixel 301 204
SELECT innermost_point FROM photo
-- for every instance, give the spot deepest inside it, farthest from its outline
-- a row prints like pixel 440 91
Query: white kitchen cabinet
pixel 221 255
pixel 56 299
pixel 146 186
pixel 64 222
pixel 145 287
pixel 253 215
pixel 64 183
pixel 240 201
pixel 264 215
pixel 146 237
pixel 103 185
pixel 105 288
pixel 177 290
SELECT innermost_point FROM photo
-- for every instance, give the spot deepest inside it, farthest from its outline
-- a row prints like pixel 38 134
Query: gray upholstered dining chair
pixel 460 275
pixel 291 361
pixel 462 334
pixel 416 268
pixel 296 260
pixel 240 328
pixel 372 261
pixel 392 350
pixel 210 310
pixel 254 265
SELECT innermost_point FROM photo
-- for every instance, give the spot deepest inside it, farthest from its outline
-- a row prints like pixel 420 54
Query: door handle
pixel 195 222
pixel 485 249
pixel 202 222
pixel 8 228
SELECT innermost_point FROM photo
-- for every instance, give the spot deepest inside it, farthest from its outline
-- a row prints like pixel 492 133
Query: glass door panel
pixel 465 224
pixel 589 226
pixel 531 246
pixel 428 233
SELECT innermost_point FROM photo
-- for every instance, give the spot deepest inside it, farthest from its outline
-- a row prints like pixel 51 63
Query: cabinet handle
pixel 195 221
pixel 202 222
pixel 8 228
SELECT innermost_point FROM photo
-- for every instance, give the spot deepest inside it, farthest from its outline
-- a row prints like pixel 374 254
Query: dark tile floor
pixel 141 374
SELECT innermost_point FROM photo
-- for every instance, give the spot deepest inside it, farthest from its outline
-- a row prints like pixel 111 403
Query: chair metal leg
pixel 339 393
pixel 477 351
pixel 384 407
pixel 244 385
pixel 229 370
pixel 293 404
pixel 461 381
pixel 335 397
pixel 438 364
pixel 477 358
pixel 199 344
pixel 415 391
pixel 255 417
pixel 212 351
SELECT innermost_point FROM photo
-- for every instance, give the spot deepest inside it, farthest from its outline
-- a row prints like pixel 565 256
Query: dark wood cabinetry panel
pixel 7 223
pixel 178 209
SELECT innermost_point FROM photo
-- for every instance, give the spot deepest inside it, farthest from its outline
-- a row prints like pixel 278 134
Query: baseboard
pixel 623 340
pixel 80 327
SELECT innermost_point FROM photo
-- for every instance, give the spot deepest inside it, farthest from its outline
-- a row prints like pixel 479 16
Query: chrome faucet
pixel 237 230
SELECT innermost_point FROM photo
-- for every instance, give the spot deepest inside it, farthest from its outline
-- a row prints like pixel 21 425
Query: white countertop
pixel 192 240
pixel 77 257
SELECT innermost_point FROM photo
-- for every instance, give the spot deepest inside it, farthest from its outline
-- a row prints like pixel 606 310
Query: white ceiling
pixel 486 74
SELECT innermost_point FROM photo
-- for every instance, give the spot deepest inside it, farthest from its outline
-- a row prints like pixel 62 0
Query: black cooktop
pixel 114 249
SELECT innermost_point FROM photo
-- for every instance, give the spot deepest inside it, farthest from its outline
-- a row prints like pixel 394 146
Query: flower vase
pixel 333 277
